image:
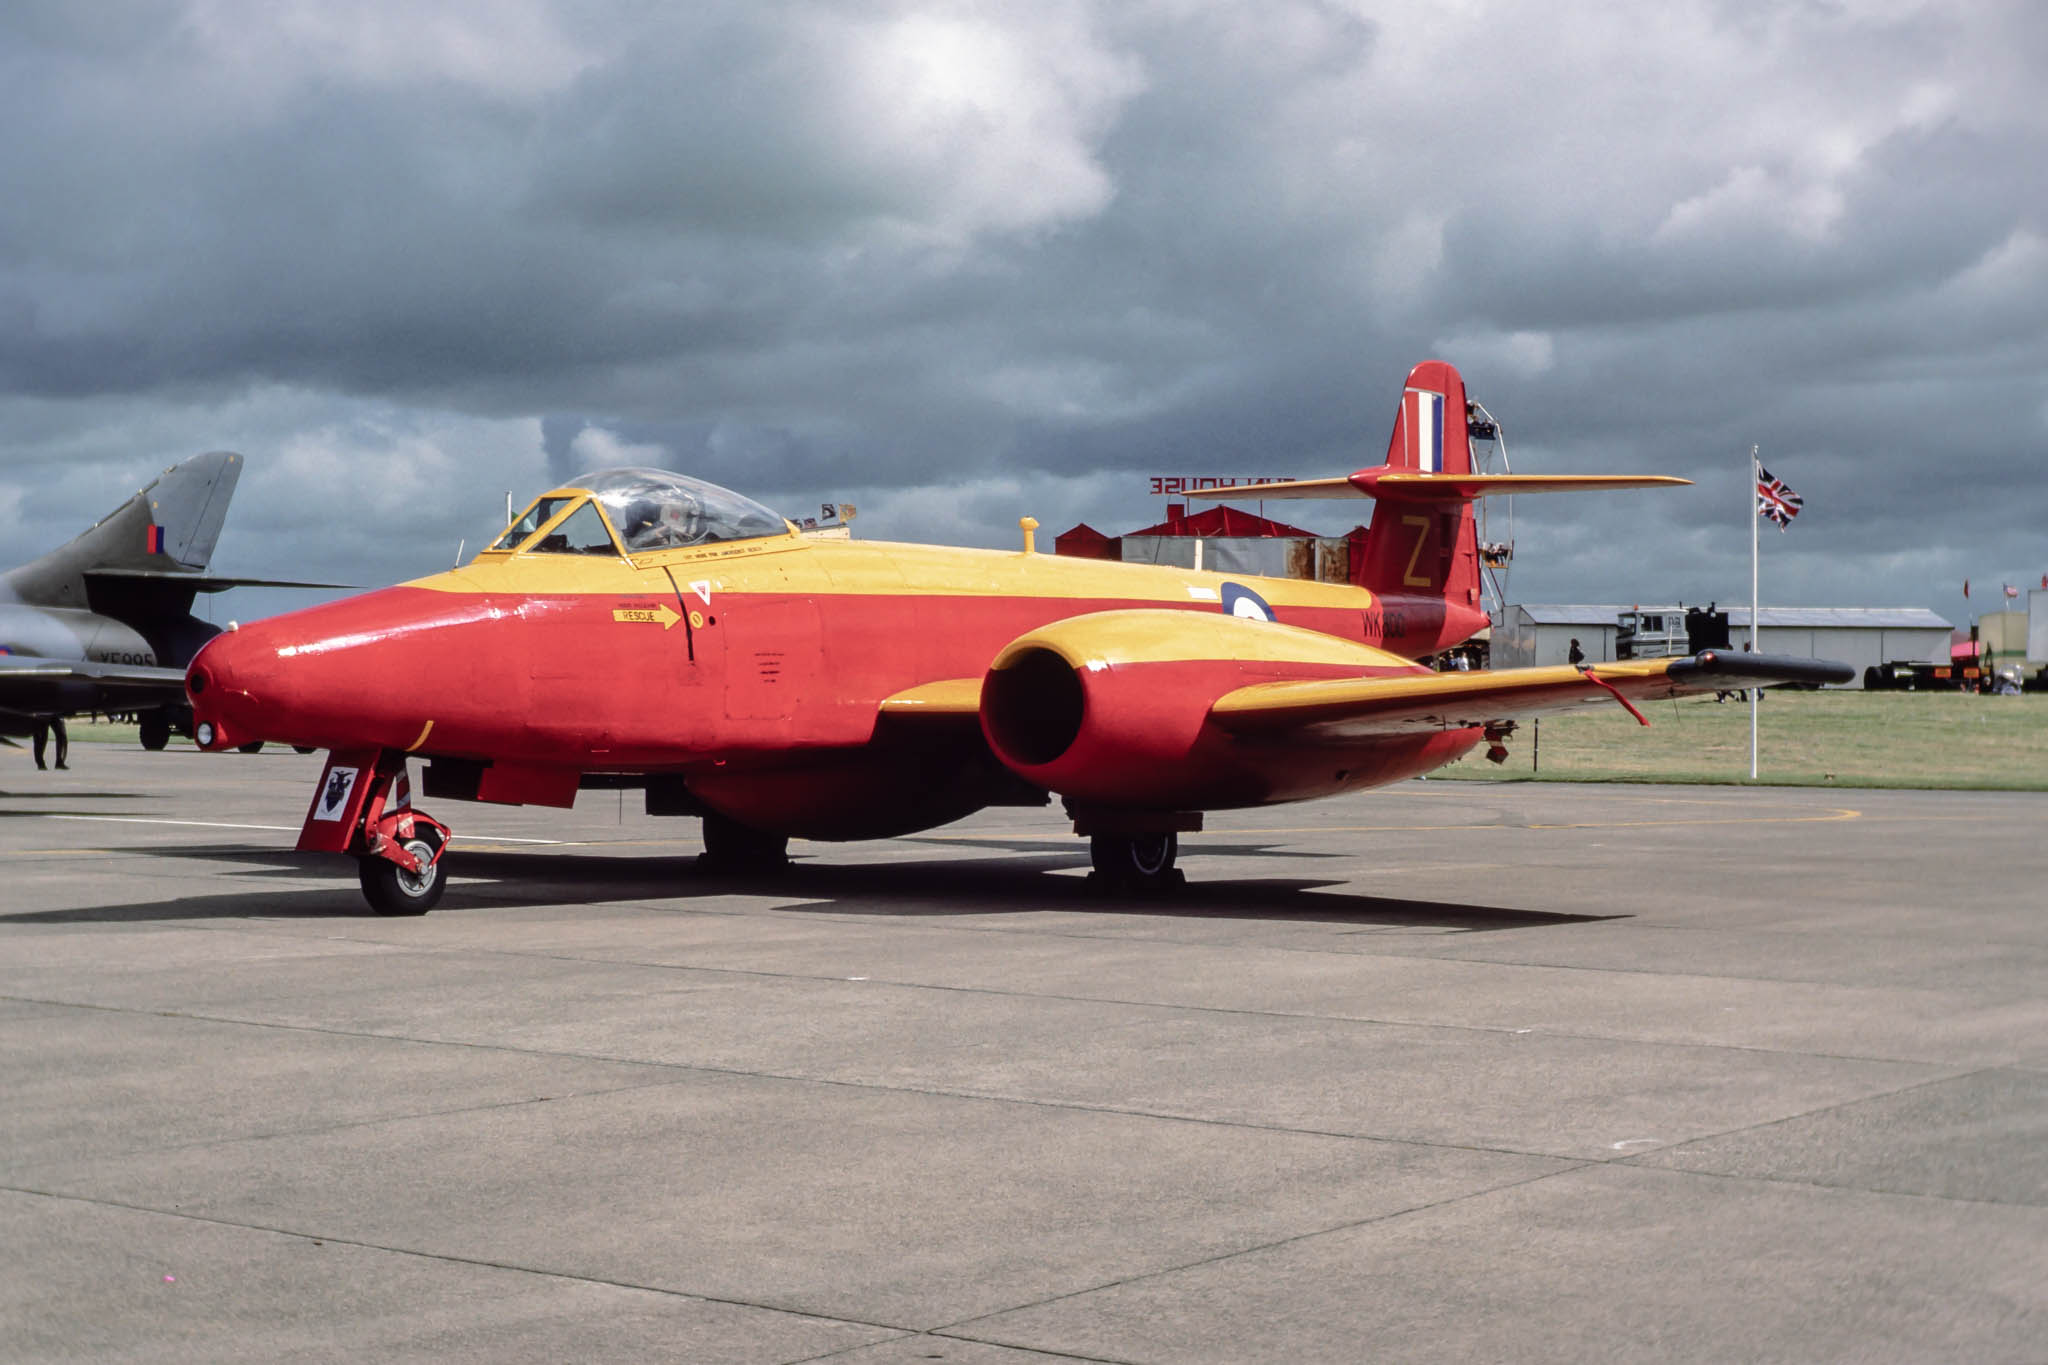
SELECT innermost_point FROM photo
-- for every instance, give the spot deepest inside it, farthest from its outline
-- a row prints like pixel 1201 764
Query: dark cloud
pixel 957 262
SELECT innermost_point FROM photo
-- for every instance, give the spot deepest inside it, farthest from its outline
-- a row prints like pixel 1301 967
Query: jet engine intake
pixel 1112 709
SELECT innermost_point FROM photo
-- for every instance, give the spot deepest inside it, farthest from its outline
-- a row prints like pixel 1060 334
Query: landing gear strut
pixel 731 847
pixel 1136 862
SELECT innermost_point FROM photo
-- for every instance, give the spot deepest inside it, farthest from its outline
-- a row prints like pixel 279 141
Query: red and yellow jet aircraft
pixel 637 626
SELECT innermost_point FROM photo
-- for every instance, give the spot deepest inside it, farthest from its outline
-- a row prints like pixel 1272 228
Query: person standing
pixel 42 736
pixel 1576 655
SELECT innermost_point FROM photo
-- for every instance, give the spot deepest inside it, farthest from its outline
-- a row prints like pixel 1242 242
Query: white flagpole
pixel 1754 639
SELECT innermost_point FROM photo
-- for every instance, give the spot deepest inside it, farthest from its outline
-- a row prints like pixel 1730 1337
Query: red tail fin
pixel 1425 544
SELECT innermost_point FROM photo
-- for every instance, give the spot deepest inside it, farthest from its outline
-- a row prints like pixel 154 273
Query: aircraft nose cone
pixel 218 685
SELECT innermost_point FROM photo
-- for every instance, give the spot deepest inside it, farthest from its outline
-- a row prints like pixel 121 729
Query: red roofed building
pixel 1222 538
pixel 1085 542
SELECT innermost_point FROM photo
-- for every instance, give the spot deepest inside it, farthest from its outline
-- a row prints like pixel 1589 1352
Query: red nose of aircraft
pixel 363 671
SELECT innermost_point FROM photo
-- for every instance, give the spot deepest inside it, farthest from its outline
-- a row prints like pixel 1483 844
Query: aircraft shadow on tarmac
pixel 495 880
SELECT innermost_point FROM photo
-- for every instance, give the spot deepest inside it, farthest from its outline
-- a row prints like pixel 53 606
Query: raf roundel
pixel 1239 600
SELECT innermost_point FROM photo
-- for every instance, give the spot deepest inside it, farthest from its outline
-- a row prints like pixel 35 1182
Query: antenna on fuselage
pixel 458 550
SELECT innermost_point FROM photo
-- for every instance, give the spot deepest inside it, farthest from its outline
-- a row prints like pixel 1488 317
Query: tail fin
pixel 167 529
pixel 1425 546
pixel 1422 541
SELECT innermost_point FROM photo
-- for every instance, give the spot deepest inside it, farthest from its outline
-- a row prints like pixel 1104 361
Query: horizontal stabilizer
pixel 1409 486
pixel 199 582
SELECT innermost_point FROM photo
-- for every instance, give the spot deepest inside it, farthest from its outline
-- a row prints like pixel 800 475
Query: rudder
pixel 1425 544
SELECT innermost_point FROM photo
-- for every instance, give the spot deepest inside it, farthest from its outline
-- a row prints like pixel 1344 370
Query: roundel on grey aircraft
pixel 1239 600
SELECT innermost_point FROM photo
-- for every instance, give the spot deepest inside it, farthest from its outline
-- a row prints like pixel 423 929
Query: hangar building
pixel 1532 633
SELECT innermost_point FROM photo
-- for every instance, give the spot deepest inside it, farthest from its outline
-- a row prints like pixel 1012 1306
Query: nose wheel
pixel 393 889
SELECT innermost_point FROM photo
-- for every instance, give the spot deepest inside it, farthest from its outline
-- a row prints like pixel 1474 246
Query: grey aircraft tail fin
pixel 190 502
pixel 175 522
pixel 169 528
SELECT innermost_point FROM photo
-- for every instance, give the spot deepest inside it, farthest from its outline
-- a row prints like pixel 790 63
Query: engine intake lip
pixel 1033 707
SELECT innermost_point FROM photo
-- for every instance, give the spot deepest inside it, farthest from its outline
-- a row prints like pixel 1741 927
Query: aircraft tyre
pixel 254 746
pixel 1136 862
pixel 391 890
pixel 156 730
pixel 730 846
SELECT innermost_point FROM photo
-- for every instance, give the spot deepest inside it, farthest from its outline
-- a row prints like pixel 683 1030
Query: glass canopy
pixel 655 509
pixel 650 509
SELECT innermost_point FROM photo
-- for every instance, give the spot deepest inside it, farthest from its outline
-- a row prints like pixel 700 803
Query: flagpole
pixel 1754 640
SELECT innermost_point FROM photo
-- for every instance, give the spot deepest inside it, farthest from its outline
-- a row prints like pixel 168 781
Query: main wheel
pixel 1137 862
pixel 391 890
pixel 730 846
pixel 156 730
pixel 254 746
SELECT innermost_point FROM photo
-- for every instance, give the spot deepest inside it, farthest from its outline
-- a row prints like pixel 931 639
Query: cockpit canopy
pixel 649 509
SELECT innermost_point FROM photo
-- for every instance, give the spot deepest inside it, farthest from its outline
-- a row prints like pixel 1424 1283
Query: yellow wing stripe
pixel 950 697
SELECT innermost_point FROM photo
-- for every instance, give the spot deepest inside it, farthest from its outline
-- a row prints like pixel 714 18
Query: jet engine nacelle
pixel 1112 709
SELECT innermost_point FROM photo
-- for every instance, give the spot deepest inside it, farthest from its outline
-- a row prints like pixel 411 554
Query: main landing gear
pixel 1136 862
pixel 731 848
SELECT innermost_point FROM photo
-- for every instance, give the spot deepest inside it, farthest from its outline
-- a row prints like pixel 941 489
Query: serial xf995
pixel 641 626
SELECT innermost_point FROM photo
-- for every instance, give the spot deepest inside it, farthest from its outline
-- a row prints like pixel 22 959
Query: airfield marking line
pixel 157 820
pixel 449 1258
pixel 282 829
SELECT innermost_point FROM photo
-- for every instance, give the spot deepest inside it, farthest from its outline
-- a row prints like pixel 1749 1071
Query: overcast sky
pixel 961 262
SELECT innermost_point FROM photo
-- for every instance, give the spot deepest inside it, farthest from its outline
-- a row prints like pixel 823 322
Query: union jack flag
pixel 1774 501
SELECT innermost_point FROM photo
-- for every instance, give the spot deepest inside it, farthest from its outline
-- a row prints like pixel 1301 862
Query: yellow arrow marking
pixel 663 613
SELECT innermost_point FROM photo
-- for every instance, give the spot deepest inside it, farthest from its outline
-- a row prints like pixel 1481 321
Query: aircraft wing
pixel 1357 708
pixel 28 683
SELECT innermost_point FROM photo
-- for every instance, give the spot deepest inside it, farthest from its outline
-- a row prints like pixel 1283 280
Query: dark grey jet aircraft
pixel 105 622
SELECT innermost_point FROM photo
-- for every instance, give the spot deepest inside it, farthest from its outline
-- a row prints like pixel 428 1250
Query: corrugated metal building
pixel 1541 633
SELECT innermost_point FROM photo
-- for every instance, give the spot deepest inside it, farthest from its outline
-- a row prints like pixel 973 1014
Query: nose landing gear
pixel 363 807
pixel 400 864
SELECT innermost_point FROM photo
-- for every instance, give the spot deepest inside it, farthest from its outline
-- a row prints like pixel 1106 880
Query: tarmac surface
pixel 1447 1071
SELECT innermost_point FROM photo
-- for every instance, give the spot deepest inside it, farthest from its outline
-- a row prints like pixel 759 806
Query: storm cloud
pixel 961 262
